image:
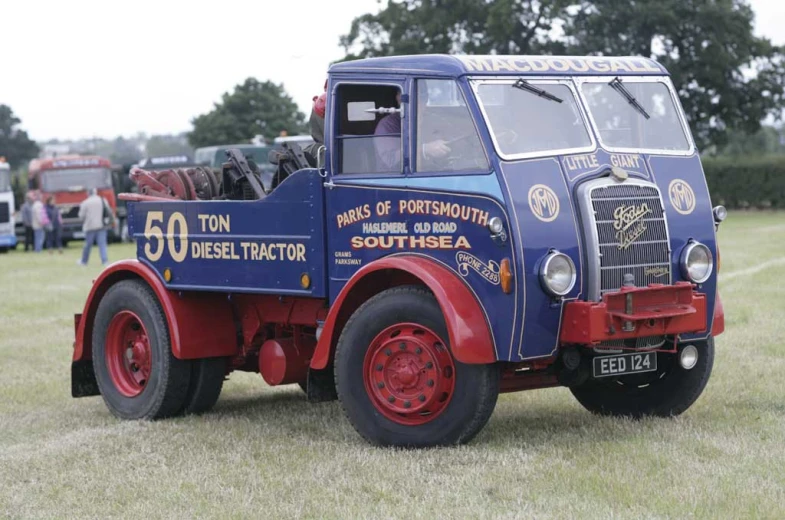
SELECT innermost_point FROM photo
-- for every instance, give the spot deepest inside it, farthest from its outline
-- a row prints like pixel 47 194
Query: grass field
pixel 266 453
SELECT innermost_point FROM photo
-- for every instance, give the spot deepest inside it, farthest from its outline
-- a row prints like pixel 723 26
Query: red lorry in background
pixel 68 179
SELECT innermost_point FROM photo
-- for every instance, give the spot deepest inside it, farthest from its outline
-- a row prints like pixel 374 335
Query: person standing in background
pixel 39 220
pixel 27 220
pixel 54 237
pixel 91 213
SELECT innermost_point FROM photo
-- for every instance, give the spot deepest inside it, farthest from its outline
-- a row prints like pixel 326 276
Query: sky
pixel 84 68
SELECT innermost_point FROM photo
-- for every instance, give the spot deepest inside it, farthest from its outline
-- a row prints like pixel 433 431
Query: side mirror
pixel 361 111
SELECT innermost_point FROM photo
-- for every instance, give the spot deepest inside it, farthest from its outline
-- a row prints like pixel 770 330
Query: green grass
pixel 265 452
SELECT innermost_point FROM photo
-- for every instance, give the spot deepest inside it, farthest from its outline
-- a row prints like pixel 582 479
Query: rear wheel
pixel 137 374
pixel 207 379
pixel 669 391
pixel 398 381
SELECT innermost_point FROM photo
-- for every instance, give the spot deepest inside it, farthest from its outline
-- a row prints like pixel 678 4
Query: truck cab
pixel 68 179
pixel 482 224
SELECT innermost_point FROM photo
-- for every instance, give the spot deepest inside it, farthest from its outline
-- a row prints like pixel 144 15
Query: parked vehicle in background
pixel 7 235
pixel 301 140
pixel 215 156
pixel 68 179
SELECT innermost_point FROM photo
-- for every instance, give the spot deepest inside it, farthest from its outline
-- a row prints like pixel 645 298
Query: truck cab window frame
pixel 505 140
pixel 361 147
pixel 631 83
pixel 443 119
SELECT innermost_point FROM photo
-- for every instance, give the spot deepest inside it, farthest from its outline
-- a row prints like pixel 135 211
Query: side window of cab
pixel 447 138
pixel 368 129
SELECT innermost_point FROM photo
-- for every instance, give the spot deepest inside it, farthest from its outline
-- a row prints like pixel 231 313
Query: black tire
pixel 476 387
pixel 207 380
pixel 165 391
pixel 667 393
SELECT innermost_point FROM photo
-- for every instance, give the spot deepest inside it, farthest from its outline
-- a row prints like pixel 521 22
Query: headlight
pixel 495 225
pixel 696 262
pixel 720 213
pixel 557 273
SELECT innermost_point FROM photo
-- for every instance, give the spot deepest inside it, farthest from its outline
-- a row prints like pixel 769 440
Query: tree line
pixel 729 80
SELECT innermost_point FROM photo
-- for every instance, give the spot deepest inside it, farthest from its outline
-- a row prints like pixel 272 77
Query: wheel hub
pixel 128 353
pixel 408 373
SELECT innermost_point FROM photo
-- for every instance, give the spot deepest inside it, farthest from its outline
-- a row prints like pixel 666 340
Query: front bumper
pixel 7 240
pixel 635 312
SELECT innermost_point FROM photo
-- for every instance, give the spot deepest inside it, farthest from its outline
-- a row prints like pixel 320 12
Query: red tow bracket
pixel 635 312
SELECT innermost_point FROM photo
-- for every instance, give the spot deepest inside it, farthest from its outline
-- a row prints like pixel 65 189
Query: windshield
pixel 528 117
pixel 76 179
pixel 622 124
pixel 5 180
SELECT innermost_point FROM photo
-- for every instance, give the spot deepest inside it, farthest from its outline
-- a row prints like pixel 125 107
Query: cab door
pixel 367 148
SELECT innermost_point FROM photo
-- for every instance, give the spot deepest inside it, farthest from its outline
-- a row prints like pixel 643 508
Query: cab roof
pixel 498 65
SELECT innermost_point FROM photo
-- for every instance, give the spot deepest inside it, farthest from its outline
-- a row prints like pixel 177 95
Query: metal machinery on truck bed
pixel 482 224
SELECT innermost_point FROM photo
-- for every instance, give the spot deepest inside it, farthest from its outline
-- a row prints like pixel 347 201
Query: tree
pixel 15 144
pixel 766 141
pixel 158 145
pixel 455 26
pixel 727 78
pixel 253 108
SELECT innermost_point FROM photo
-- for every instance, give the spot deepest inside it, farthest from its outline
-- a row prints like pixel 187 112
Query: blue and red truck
pixel 482 224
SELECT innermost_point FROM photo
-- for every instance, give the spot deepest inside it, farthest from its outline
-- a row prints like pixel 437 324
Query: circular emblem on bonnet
pixel 543 202
pixel 682 197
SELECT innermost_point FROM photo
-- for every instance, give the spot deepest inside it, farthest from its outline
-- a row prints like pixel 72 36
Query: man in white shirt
pixel 91 213
pixel 37 214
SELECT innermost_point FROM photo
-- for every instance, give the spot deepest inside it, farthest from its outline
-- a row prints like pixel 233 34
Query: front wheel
pixel 397 380
pixel 668 392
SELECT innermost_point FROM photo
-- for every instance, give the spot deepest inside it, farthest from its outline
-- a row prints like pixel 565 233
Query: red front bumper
pixel 635 312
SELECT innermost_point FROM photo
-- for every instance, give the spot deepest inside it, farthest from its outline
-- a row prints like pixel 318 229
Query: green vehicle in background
pixel 214 156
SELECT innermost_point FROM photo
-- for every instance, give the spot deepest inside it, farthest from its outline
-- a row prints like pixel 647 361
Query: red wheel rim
pixel 409 374
pixel 128 353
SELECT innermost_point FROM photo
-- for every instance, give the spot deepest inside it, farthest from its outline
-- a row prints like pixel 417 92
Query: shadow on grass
pixel 287 413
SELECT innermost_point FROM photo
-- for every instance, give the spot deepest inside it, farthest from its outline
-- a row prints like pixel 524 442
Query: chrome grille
pixel 638 245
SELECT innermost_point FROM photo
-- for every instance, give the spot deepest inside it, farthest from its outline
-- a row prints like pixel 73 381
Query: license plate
pixel 78 234
pixel 623 364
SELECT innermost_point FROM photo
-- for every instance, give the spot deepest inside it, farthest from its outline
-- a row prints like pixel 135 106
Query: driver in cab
pixel 388 151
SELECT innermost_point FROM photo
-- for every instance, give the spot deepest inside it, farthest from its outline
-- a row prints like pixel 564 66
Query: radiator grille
pixel 626 232
pixel 69 212
pixel 632 235
pixel 5 213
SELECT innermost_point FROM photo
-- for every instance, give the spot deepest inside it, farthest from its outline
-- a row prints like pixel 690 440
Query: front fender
pixel 470 337
pixel 718 325
pixel 200 324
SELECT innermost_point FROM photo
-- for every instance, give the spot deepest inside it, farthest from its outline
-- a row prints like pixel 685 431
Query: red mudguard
pixel 469 334
pixel 718 325
pixel 200 324
pixel 635 312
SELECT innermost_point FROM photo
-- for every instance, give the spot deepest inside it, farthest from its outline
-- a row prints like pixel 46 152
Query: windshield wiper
pixel 619 87
pixel 528 87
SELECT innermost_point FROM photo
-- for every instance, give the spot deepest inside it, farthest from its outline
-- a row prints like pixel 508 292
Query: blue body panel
pixel 342 222
pixel 256 246
pixel 365 223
